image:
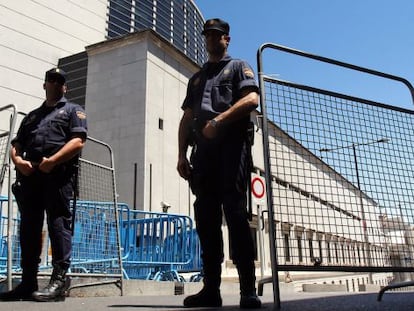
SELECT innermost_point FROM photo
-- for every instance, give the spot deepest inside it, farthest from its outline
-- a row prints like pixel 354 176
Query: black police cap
pixel 57 73
pixel 216 24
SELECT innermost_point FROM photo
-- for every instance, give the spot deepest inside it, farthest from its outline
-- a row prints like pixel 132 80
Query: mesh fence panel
pixel 341 178
pixel 5 241
pixel 8 116
pixel 95 241
pixel 9 234
pixel 157 244
pixel 4 137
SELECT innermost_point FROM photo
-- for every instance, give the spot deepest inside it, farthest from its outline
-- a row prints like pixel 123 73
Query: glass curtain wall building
pixel 178 21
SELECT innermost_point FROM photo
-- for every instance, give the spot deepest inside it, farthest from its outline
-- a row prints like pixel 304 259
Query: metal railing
pixel 158 243
pixel 110 241
pixel 339 178
pixel 96 206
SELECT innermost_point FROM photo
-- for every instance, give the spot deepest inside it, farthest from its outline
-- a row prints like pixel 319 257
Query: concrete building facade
pixel 38 35
pixel 135 88
pixel 178 21
pixel 34 35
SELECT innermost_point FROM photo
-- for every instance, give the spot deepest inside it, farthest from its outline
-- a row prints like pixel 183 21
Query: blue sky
pixel 376 34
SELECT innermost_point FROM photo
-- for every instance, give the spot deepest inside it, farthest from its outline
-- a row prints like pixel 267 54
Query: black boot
pixel 248 296
pixel 23 291
pixel 250 301
pixel 57 288
pixel 209 296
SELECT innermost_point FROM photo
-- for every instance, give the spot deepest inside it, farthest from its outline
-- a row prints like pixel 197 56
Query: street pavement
pixel 290 301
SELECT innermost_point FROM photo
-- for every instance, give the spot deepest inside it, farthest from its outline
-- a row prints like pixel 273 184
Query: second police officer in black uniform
pixel 45 153
pixel 220 98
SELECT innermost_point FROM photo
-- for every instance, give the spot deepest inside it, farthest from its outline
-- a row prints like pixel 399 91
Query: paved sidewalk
pixel 291 301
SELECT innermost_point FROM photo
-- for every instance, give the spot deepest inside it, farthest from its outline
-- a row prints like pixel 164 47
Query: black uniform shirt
pixel 217 86
pixel 47 129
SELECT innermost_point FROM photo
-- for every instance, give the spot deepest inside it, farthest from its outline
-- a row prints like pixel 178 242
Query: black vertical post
pixel 135 186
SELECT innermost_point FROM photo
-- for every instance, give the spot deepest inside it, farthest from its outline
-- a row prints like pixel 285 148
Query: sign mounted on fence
pixel 258 186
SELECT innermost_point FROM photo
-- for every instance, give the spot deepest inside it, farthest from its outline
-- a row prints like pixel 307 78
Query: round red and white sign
pixel 258 187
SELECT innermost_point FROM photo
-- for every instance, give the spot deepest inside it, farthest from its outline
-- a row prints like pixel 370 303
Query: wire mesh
pixel 96 245
pixel 8 114
pixel 341 178
pixel 5 240
pixel 3 151
pixel 157 243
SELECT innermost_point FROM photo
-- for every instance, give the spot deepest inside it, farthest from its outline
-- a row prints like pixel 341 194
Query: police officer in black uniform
pixel 45 153
pixel 217 107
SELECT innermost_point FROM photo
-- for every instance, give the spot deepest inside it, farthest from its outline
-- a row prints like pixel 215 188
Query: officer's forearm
pixel 243 107
pixel 182 143
pixel 68 151
pixel 23 166
pixel 15 154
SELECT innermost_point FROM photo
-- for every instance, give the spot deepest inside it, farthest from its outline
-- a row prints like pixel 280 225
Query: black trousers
pixel 35 195
pixel 219 182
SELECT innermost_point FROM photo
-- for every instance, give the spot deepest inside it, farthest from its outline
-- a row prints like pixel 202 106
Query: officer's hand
pixel 184 168
pixel 46 166
pixel 209 131
pixel 25 167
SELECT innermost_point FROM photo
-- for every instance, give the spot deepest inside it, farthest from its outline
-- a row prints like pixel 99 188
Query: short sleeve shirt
pixel 217 86
pixel 45 130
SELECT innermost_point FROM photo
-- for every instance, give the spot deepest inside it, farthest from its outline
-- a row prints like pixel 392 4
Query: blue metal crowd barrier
pixel 156 246
pixel 94 243
pixel 4 239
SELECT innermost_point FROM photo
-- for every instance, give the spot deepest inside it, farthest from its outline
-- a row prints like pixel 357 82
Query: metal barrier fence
pixel 6 112
pixel 158 246
pixel 152 245
pixel 95 248
pixel 155 246
pixel 96 240
pixel 339 177
pixel 4 241
pixel 8 228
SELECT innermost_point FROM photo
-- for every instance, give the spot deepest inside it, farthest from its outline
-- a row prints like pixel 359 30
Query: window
pixel 310 248
pixel 328 251
pixel 300 250
pixel 343 253
pixel 161 124
pixel 336 252
pixel 320 249
pixel 286 245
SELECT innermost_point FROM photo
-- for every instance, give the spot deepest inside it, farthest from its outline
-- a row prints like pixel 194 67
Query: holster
pixel 250 133
pixel 195 131
pixel 18 193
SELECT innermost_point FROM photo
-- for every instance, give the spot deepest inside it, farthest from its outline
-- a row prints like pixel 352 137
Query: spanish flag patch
pixel 248 72
pixel 81 115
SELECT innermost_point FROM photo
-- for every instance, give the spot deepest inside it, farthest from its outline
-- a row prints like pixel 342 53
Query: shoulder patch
pixel 226 72
pixel 248 72
pixel 81 115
